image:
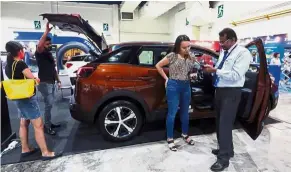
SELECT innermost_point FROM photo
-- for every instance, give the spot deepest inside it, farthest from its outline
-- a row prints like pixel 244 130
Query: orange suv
pixel 122 90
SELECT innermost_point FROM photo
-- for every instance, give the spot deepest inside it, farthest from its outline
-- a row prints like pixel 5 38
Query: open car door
pixel 75 23
pixel 254 107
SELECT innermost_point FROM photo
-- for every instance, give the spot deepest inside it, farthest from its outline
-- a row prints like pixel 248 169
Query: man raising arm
pixel 48 76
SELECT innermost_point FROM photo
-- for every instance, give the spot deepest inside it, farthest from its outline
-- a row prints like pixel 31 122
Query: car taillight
pixel 68 65
pixel 85 71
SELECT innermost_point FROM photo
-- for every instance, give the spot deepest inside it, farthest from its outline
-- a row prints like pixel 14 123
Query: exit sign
pixel 37 24
pixel 220 11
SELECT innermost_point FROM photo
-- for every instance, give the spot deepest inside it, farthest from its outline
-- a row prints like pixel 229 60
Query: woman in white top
pixel 276 60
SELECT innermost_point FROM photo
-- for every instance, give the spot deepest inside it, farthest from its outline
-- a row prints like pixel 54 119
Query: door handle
pixel 145 78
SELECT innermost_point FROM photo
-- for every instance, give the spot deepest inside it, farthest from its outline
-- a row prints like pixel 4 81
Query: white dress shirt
pixel 232 73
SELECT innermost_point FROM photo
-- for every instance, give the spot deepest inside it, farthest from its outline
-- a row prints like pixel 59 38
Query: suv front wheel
pixel 120 121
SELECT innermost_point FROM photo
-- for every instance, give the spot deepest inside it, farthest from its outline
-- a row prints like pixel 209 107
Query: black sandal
pixel 46 158
pixel 172 145
pixel 33 151
pixel 188 140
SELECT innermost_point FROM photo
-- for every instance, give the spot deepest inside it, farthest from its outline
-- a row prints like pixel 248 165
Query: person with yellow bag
pixel 20 88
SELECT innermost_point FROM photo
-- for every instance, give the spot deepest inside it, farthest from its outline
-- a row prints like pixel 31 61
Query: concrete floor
pixel 271 152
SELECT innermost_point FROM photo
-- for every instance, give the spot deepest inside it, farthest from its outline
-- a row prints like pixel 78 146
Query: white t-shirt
pixel 275 61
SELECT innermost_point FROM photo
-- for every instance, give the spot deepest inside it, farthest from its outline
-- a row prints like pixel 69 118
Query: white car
pixel 72 65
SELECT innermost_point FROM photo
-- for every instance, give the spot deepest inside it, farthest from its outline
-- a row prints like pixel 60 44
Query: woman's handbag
pixel 19 88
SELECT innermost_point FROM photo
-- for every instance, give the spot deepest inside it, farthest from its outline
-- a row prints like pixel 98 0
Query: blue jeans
pixel 178 93
pixel 28 108
pixel 47 90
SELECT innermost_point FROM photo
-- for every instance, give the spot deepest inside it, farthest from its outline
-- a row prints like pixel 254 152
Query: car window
pixel 115 47
pixel 119 57
pixel 146 57
pixel 160 53
pixel 204 58
pixel 152 55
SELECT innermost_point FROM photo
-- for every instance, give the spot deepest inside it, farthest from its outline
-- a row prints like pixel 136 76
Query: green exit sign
pixel 220 11
pixel 37 24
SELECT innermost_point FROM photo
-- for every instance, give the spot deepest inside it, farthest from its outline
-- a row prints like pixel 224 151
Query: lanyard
pixel 229 53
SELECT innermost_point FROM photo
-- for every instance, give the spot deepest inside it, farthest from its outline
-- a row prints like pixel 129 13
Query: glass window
pixel 115 47
pixel 204 58
pixel 161 53
pixel 119 57
pixel 146 58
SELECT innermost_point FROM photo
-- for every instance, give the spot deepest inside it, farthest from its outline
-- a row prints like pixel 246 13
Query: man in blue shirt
pixel 228 79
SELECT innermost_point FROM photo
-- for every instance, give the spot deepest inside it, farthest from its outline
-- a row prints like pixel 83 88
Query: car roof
pixel 153 43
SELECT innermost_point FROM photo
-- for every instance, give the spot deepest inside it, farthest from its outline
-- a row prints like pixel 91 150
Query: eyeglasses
pixel 222 43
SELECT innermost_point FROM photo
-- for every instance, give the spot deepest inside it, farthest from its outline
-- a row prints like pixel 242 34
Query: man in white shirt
pixel 254 54
pixel 276 60
pixel 229 78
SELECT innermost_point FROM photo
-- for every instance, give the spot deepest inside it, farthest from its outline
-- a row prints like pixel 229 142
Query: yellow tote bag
pixel 18 88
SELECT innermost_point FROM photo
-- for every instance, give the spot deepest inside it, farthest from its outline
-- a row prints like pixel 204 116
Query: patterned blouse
pixel 180 68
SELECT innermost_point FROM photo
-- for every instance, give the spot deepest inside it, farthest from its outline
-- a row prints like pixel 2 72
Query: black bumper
pixel 79 114
pixel 73 80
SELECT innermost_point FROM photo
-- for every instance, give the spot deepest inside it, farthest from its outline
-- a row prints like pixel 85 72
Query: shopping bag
pixel 18 88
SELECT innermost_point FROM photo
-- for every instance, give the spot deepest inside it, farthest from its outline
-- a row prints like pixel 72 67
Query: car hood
pixel 75 23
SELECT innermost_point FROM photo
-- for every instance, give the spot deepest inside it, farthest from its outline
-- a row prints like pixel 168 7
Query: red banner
pixel 213 45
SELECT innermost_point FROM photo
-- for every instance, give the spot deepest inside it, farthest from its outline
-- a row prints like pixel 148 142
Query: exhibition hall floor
pixel 85 150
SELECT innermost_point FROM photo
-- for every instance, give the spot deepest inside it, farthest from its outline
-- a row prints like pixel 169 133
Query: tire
pixel 65 47
pixel 110 112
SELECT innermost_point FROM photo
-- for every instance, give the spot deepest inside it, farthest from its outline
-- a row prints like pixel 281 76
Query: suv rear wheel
pixel 120 120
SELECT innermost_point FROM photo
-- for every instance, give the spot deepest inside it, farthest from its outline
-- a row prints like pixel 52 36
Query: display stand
pixel 6 132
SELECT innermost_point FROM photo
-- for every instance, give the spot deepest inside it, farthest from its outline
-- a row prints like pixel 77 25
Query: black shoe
pixel 49 131
pixel 218 166
pixel 215 152
pixel 55 125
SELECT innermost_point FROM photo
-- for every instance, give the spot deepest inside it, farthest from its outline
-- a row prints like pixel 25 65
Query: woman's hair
pixel 178 42
pixel 12 47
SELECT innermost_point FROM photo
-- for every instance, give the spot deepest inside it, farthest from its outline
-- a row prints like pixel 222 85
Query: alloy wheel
pixel 120 122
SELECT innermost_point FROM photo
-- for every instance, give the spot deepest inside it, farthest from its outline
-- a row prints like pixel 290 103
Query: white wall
pixel 145 29
pixel 164 28
pixel 234 11
pixel 19 16
pixel 180 27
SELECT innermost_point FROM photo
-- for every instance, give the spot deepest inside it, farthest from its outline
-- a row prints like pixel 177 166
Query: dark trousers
pixel 226 105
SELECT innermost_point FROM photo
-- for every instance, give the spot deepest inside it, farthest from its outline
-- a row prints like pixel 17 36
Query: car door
pixel 148 82
pixel 254 107
pixel 116 71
